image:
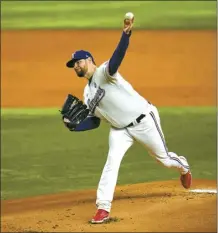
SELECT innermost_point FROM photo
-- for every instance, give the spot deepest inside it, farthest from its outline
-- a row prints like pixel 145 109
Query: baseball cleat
pixel 100 217
pixel 186 180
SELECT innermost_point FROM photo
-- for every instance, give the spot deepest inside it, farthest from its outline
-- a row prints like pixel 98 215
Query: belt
pixel 138 120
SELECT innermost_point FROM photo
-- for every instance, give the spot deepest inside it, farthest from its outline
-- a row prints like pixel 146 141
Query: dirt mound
pixel 157 206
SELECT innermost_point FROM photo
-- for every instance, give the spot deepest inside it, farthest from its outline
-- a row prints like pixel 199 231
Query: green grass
pixel 40 156
pixel 108 14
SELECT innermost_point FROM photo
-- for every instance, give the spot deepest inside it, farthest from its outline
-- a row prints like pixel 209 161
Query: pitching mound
pixel 157 206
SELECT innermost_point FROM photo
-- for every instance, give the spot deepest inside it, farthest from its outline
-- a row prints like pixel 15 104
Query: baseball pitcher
pixel 109 97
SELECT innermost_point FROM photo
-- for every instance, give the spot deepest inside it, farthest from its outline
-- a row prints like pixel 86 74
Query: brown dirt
pixel 149 207
pixel 167 67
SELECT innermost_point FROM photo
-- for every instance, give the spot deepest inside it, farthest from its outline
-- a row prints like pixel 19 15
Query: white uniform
pixel 113 99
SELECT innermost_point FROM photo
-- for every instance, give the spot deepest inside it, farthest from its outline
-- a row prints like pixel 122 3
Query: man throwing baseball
pixel 109 97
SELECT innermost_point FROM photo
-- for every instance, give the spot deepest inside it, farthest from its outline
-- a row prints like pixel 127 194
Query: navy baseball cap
pixel 78 55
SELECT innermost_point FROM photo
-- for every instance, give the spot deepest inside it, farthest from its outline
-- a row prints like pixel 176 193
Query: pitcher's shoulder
pixel 103 70
pixel 102 66
pixel 100 73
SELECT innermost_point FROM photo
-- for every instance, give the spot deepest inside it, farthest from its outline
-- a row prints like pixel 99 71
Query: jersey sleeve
pixel 109 78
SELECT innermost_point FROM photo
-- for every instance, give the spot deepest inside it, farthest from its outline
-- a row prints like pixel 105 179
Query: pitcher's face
pixel 81 67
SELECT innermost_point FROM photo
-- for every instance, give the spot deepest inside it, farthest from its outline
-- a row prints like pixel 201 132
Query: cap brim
pixel 71 63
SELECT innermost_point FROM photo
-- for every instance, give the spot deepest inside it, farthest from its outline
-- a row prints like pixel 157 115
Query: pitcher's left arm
pixel 91 122
pixel 76 116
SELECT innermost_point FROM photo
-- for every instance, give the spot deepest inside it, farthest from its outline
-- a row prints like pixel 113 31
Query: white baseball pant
pixel 149 133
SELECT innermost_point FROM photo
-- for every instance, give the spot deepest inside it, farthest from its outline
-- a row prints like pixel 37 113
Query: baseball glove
pixel 73 112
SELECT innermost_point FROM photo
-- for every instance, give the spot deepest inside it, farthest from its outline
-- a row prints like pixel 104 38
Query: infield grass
pixel 107 14
pixel 40 156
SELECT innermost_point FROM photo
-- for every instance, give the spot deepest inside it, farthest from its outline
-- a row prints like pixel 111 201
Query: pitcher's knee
pixel 112 163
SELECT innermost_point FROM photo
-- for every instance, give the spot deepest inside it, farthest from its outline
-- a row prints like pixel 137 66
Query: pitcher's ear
pixel 89 59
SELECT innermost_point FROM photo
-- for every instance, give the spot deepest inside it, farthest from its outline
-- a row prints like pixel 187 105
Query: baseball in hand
pixel 129 17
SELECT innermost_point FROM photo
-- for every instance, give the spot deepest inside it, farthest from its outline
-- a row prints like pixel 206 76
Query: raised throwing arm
pixel 120 51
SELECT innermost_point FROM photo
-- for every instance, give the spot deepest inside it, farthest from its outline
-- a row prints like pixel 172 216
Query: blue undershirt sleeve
pixel 88 124
pixel 119 53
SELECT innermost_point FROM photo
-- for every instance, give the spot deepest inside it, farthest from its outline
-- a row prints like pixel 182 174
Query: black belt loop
pixel 138 120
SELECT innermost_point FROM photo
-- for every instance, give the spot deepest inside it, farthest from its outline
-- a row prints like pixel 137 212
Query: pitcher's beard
pixel 80 73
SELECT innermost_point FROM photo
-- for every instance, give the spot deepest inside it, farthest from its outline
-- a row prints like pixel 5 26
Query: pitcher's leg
pixel 150 134
pixel 119 142
pixel 168 159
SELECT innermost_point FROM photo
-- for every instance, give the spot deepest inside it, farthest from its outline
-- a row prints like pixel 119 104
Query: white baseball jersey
pixel 112 98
